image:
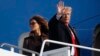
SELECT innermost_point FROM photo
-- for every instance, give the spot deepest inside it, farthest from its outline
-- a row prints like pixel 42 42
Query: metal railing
pixel 66 44
pixel 50 41
pixel 13 46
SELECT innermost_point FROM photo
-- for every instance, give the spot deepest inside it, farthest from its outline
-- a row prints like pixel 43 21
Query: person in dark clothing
pixel 96 42
pixel 96 45
pixel 38 33
pixel 61 30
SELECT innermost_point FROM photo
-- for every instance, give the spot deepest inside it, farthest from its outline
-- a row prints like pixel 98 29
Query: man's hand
pixel 60 7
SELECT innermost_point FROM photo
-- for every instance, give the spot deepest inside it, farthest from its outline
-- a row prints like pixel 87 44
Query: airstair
pixel 65 51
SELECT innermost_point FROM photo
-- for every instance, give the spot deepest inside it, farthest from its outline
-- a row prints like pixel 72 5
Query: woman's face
pixel 34 25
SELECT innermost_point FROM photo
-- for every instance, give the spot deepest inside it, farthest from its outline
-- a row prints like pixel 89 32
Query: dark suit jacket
pixel 58 32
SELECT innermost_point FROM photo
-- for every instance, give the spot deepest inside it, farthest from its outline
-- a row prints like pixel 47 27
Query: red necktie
pixel 74 42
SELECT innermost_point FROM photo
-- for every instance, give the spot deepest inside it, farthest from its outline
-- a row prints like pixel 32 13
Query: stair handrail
pixel 67 44
pixel 27 50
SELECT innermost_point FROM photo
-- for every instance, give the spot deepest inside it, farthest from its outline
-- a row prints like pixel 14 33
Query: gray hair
pixel 68 7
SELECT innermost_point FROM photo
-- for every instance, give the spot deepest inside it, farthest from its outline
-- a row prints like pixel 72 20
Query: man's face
pixel 66 16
